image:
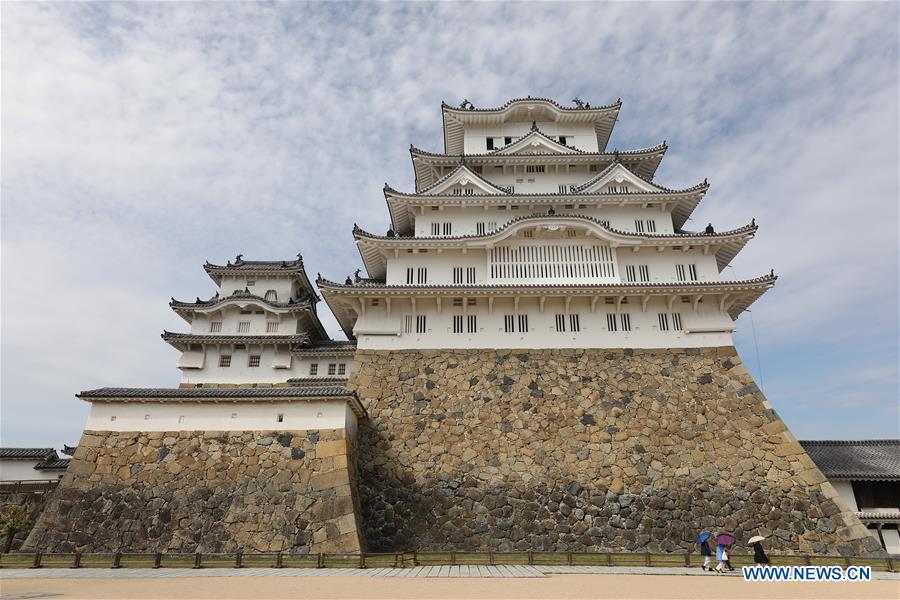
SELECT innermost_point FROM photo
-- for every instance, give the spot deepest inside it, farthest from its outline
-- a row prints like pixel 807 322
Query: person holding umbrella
pixel 759 555
pixel 705 552
pixel 723 540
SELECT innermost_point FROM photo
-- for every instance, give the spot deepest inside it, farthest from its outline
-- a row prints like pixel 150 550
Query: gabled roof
pixel 213 395
pixel 726 244
pixel 327 348
pixel 643 161
pixel 181 340
pixel 526 109
pixel 856 459
pixel 270 268
pixel 536 142
pixel 618 173
pixel 463 177
pixel 26 453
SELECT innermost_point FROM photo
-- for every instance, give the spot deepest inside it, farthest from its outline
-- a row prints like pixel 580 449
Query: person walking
pixel 720 556
pixel 706 553
pixel 726 558
pixel 759 555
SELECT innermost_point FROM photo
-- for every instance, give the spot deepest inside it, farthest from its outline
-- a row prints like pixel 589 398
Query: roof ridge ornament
pixel 579 103
pixel 534 126
pixel 239 259
pixel 466 105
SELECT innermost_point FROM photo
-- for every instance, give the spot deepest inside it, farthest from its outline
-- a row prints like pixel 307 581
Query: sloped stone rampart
pixel 574 450
pixel 205 491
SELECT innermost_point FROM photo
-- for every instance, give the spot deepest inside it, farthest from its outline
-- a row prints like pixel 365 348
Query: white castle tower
pixel 527 233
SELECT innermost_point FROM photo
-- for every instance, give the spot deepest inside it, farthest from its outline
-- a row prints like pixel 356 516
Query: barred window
pixel 611 322
pixel 630 273
pixel 225 360
pixel 509 323
pixel 342 369
pixel 457 274
pixel 420 324
pixel 243 326
pixel 409 276
pixel 435 229
pixel 271 296
pixel 448 228
pixel 479 228
pixel 676 321
pixel 272 327
pixel 663 321
pixel 457 323
pixel 407 324
pixel 470 274
pixel 523 323
pixel 422 275
pixel 644 271
pixel 314 369
pixel 215 327
pixel 686 272
pixel 253 360
pixel 332 368
pixel 574 322
pixel 471 323
pixel 625 320
pixel 561 323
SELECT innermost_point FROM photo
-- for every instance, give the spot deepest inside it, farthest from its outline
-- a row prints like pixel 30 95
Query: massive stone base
pixel 572 450
pixel 204 491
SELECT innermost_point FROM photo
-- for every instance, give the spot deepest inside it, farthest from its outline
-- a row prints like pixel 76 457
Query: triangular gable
pixel 463 182
pixel 536 143
pixel 616 178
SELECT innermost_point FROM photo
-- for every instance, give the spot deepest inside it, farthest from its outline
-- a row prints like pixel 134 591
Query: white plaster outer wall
pixel 578 135
pixel 284 287
pixel 241 372
pixel 230 316
pixel 23 470
pixel 223 416
pixel 465 220
pixel 845 489
pixel 376 330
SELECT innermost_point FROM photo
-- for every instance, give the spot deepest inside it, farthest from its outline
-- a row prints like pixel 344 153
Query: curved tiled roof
pixel 462 165
pixel 192 338
pixel 26 453
pixel 316 381
pixel 849 459
pixel 245 295
pixel 661 147
pixel 53 464
pixel 257 265
pixel 616 104
pixel 326 347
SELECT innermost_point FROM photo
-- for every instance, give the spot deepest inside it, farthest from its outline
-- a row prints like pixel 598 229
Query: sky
pixel 141 139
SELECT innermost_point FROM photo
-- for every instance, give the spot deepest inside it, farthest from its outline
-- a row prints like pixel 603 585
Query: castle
pixel 540 357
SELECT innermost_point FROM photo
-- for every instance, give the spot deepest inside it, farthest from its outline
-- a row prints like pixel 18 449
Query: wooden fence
pixel 28 485
pixel 279 560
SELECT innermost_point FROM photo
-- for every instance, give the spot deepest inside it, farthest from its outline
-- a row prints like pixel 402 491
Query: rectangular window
pixel 215 327
pixel 407 324
pixel 692 269
pixel 639 226
pixel 225 360
pixel 490 143
pixel 574 322
pixel 676 321
pixel 457 192
pixel 651 225
pixel 314 369
pixel 507 141
pixel 663 321
pixel 457 323
pixel 523 323
pixel 611 323
pixel 279 418
pixel 563 189
pixel 630 273
pixel 272 327
pixel 625 320
pixel 470 274
pixel 332 368
pixel 492 225
pixel 594 168
pixel 342 369
pixel 560 323
pixel 534 168
pixel 435 229
pixel 679 272
pixel 528 233
pixel 243 326
pixel 509 323
pixel 562 139
pixel 253 360
pixel 471 323
pixel 644 271
pixel 448 228
pixel 420 324
pixel 422 275
pixel 409 276
pixel 479 228
pixel 251 282
pixel 457 274
pixel 686 272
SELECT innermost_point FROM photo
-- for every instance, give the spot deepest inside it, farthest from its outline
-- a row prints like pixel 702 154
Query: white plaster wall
pixel 464 220
pixel 225 416
pixel 22 470
pixel 240 372
pixel 845 489
pixel 662 265
pixel 230 317
pixel 285 287
pixel 579 135
pixel 542 333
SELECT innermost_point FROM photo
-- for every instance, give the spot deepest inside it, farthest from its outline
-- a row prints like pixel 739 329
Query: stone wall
pixel 205 491
pixel 32 504
pixel 572 450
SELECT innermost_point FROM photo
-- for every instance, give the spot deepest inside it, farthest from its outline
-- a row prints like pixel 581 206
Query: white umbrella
pixel 755 538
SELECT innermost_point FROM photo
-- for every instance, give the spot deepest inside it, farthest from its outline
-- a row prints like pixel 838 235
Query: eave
pixel 260 268
pixel 348 301
pixel 526 109
pixel 644 161
pixel 182 341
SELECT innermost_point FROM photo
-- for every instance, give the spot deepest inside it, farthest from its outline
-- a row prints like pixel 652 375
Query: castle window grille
pixel 471 323
pixel 571 233
pixel 225 360
pixel 314 369
pixel 457 192
pixel 611 322
pixel 422 275
pixel 651 225
pixel 523 323
pixel 271 296
pixel 471 301
pixel 272 327
pixel 457 302
pixel 676 321
pixel 563 189
pixel 408 324
pixel 644 271
pixel 509 323
pixel 409 275
pixel 630 273
pixel 448 228
pixel 342 369
pixel 534 168
pixel 490 143
pixel 492 226
pixel 420 324
pixel 625 321
pixel 639 226
pixel 561 323
pixel 435 229
pixel 692 270
pixel 470 192
pixel 457 274
pixel 457 323
pixel 594 168
pixel 332 368
pixel 686 272
pixel 574 323
pixel 470 274
pixel 253 360
pixel 243 326
pixel 215 327
pixel 528 234
pixel 562 140
pixel 663 321
pixel 679 273
pixel 507 141
pixel 548 262
pixel 479 228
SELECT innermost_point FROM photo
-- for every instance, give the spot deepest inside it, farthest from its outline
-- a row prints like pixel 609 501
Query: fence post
pixel 76 564
pixel 806 560
pixel 362 560
pixel 415 558
pixel 530 557
pixel 609 559
pixel 157 560
pixel 279 560
pixel 117 560
pixel 890 564
pixel 569 558
pixel 846 561
pixel 37 560
pixel 319 563
pixel 197 560
pixel 687 559
pixel 398 560
pixel 491 557
pixel 238 560
pixel 646 559
pixel 453 557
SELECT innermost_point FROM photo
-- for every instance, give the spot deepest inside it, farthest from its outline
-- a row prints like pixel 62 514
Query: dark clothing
pixel 759 555
pixel 704 549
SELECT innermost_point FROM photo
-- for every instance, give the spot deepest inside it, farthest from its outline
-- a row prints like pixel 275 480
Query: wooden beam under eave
pixel 644 300
pixel 695 301
pixel 541 302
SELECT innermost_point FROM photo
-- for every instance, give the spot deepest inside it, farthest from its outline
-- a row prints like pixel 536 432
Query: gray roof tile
pixel 860 459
